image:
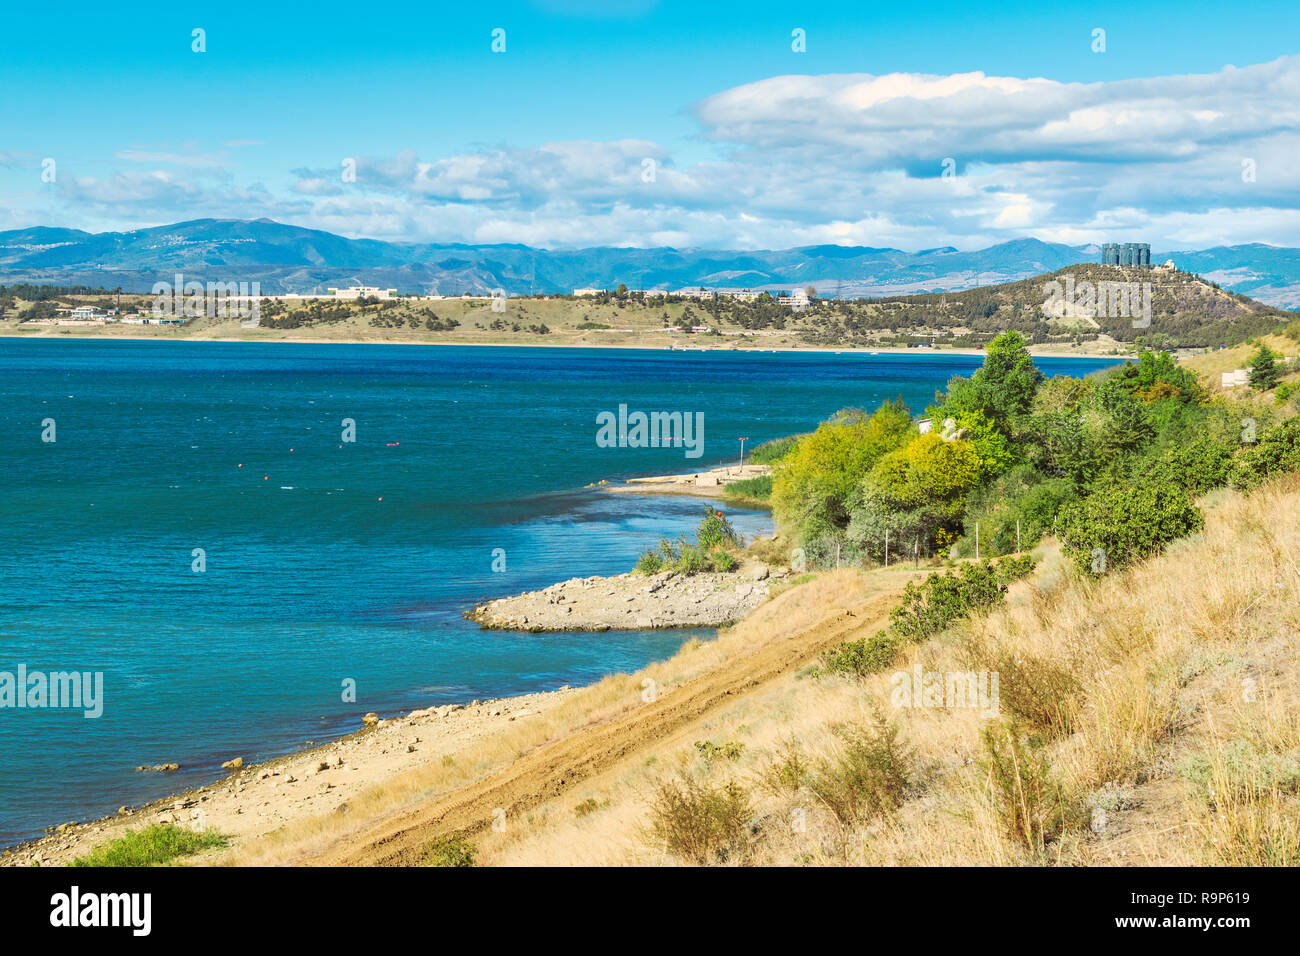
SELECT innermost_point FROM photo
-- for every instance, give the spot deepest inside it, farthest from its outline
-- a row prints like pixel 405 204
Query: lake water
pixel 325 559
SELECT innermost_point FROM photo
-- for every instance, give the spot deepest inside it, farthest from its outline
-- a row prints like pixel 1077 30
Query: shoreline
pixel 255 799
pixel 219 799
pixel 841 350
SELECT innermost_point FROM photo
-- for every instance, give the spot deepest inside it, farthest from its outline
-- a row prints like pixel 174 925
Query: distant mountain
pixel 292 259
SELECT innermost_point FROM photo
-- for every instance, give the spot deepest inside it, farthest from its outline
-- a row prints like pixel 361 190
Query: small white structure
pixel 579 292
pixel 363 292
pixel 924 424
pixel 1232 379
pixel 797 302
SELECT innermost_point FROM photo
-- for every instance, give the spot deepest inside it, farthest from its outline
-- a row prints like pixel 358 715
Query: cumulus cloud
pixel 1178 161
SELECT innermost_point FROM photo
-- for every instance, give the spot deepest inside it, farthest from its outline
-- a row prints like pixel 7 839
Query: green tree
pixel 812 486
pixel 1264 373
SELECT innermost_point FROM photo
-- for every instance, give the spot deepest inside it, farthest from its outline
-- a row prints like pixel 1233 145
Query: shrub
pixel 868 777
pixel 1285 391
pixel 731 750
pixel 152 846
pixel 773 451
pixel 699 823
pixel 930 607
pixel 870 655
pixel 1276 452
pixel 1120 524
pixel 758 488
pixel 1021 495
pixel 715 531
pixel 1029 803
pixel 1197 464
pixel 449 851
pixel 651 562
pixel 784 775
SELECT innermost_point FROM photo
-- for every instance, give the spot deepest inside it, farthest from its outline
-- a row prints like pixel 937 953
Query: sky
pixel 639 123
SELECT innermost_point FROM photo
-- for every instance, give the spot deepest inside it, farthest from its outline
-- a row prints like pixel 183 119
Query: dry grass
pixel 1135 741
pixel 1115 684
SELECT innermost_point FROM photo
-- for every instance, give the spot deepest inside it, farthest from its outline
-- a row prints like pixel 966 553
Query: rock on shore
pixel 632 602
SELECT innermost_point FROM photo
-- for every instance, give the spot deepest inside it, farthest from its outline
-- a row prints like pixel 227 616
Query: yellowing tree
pixel 813 486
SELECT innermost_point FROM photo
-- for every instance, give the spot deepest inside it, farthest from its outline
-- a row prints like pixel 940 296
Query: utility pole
pixel 742 453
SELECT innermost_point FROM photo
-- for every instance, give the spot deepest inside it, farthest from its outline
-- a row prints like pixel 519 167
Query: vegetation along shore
pixel 1133 595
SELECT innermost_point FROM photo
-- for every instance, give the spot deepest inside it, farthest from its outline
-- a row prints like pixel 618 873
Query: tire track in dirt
pixel 400 839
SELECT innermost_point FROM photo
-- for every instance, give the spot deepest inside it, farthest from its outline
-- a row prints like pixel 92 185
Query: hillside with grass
pixel 1186 313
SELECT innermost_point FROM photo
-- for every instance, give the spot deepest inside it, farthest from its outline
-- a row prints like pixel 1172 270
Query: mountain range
pixel 285 258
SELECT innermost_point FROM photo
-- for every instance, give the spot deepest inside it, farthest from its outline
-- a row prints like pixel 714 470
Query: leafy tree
pixel 1264 373
pixel 814 483
pixel 1003 389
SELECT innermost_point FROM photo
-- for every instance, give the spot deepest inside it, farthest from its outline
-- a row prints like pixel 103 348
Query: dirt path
pixel 400 839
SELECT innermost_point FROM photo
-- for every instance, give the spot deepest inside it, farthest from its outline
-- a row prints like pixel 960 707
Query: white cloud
pixel 794 160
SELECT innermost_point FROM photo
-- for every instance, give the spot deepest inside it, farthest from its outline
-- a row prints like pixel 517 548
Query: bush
pixel 701 824
pixel 1285 391
pixel 710 551
pixel 1276 452
pixel 926 610
pixel 1021 495
pixel 758 488
pixel 1120 524
pixel 1029 803
pixel 868 777
pixel 773 451
pixel 870 655
pixel 651 562
pixel 715 531
pixel 449 851
pixel 1197 465
pixel 152 846
pixel 940 600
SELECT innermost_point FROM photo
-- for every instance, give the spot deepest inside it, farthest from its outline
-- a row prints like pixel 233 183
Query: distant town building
pixel 362 292
pixel 589 291
pixel 1166 266
pixel 1133 254
pixel 798 302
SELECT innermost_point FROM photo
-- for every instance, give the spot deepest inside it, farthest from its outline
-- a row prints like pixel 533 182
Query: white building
pixel 589 291
pixel 363 292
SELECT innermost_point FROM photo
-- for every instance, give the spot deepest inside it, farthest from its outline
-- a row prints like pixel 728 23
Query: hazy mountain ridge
pixel 286 258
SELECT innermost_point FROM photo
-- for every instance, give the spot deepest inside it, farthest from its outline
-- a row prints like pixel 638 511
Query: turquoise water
pixel 311 578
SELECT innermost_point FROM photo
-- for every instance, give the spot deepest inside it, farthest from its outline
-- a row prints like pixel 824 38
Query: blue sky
pixel 751 144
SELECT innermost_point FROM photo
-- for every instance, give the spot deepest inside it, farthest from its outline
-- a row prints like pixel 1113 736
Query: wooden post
pixel 916 553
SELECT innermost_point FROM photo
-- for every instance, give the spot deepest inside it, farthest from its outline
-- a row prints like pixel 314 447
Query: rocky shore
pixel 254 799
pixel 633 602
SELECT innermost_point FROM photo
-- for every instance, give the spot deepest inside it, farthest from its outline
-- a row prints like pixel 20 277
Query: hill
pixel 1185 313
